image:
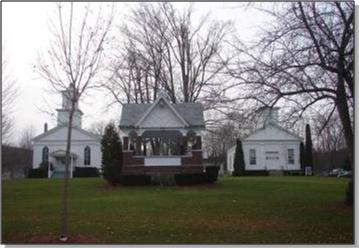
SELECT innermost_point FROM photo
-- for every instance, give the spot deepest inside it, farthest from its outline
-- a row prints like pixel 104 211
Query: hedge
pixel 163 180
pixel 189 179
pixel 37 173
pixel 294 173
pixel 254 173
pixel 210 176
pixel 86 172
pixel 136 180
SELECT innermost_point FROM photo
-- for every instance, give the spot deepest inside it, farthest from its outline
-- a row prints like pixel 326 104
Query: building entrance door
pixel 60 164
pixel 272 160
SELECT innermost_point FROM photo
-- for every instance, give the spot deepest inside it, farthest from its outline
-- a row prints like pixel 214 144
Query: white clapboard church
pixel 50 146
pixel 270 147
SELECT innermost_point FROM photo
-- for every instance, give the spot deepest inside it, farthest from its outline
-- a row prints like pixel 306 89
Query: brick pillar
pixel 184 145
pixel 138 145
pixel 144 148
pixel 199 142
pixel 125 143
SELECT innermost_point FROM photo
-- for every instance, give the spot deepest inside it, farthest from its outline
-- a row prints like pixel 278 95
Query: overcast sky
pixel 25 34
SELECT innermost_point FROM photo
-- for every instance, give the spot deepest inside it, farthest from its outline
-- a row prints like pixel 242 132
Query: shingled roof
pixel 192 113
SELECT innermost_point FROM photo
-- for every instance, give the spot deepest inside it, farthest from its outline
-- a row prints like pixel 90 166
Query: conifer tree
pixel 111 155
pixel 308 147
pixel 302 156
pixel 239 165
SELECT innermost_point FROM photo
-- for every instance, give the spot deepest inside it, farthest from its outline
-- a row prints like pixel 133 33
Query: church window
pixel 252 156
pixel 45 154
pixel 290 156
pixel 87 155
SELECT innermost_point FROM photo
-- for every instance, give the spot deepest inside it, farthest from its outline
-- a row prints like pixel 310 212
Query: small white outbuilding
pixel 270 147
pixel 50 146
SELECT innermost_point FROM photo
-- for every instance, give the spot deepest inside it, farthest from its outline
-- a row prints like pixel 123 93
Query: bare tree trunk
pixel 343 111
pixel 64 214
pixel 73 63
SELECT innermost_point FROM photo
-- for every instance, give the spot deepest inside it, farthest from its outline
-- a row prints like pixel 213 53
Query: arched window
pixel 87 155
pixel 45 154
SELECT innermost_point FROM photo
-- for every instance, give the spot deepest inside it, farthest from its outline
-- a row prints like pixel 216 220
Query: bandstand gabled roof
pixel 191 113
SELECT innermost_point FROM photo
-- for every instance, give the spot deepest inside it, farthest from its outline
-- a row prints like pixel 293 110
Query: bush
pixel 37 173
pixel 189 179
pixel 163 180
pixel 86 172
pixel 254 173
pixel 294 173
pixel 44 165
pixel 136 180
pixel 211 174
pixel 112 172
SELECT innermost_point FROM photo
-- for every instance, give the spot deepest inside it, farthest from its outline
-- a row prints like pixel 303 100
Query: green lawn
pixel 244 210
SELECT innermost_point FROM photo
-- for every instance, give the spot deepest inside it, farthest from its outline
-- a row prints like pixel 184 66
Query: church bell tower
pixel 64 113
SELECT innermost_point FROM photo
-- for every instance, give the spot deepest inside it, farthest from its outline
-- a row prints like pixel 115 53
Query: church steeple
pixel 64 113
pixel 269 115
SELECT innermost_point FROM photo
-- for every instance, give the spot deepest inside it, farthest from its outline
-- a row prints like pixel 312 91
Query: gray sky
pixel 25 34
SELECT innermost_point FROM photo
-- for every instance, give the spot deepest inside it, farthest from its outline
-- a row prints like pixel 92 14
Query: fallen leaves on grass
pixel 54 239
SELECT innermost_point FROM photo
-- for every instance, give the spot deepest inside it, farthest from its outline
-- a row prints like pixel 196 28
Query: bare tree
pixel 98 128
pixel 331 137
pixel 165 49
pixel 218 140
pixel 304 62
pixel 196 49
pixel 26 137
pixel 74 64
pixel 8 96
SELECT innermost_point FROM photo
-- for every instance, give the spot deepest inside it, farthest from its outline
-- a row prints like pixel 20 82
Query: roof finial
pixel 163 94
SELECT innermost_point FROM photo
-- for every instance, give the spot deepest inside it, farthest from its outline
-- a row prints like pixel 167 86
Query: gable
pixel 162 115
pixel 272 132
pixel 60 134
pixel 133 113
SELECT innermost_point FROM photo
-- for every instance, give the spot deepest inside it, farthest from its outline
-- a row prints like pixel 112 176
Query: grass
pixel 242 210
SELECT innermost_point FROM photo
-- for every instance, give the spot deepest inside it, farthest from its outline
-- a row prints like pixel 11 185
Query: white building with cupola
pixel 50 146
pixel 270 147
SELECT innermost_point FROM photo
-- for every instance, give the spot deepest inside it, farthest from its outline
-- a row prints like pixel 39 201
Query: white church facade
pixel 270 147
pixel 50 146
